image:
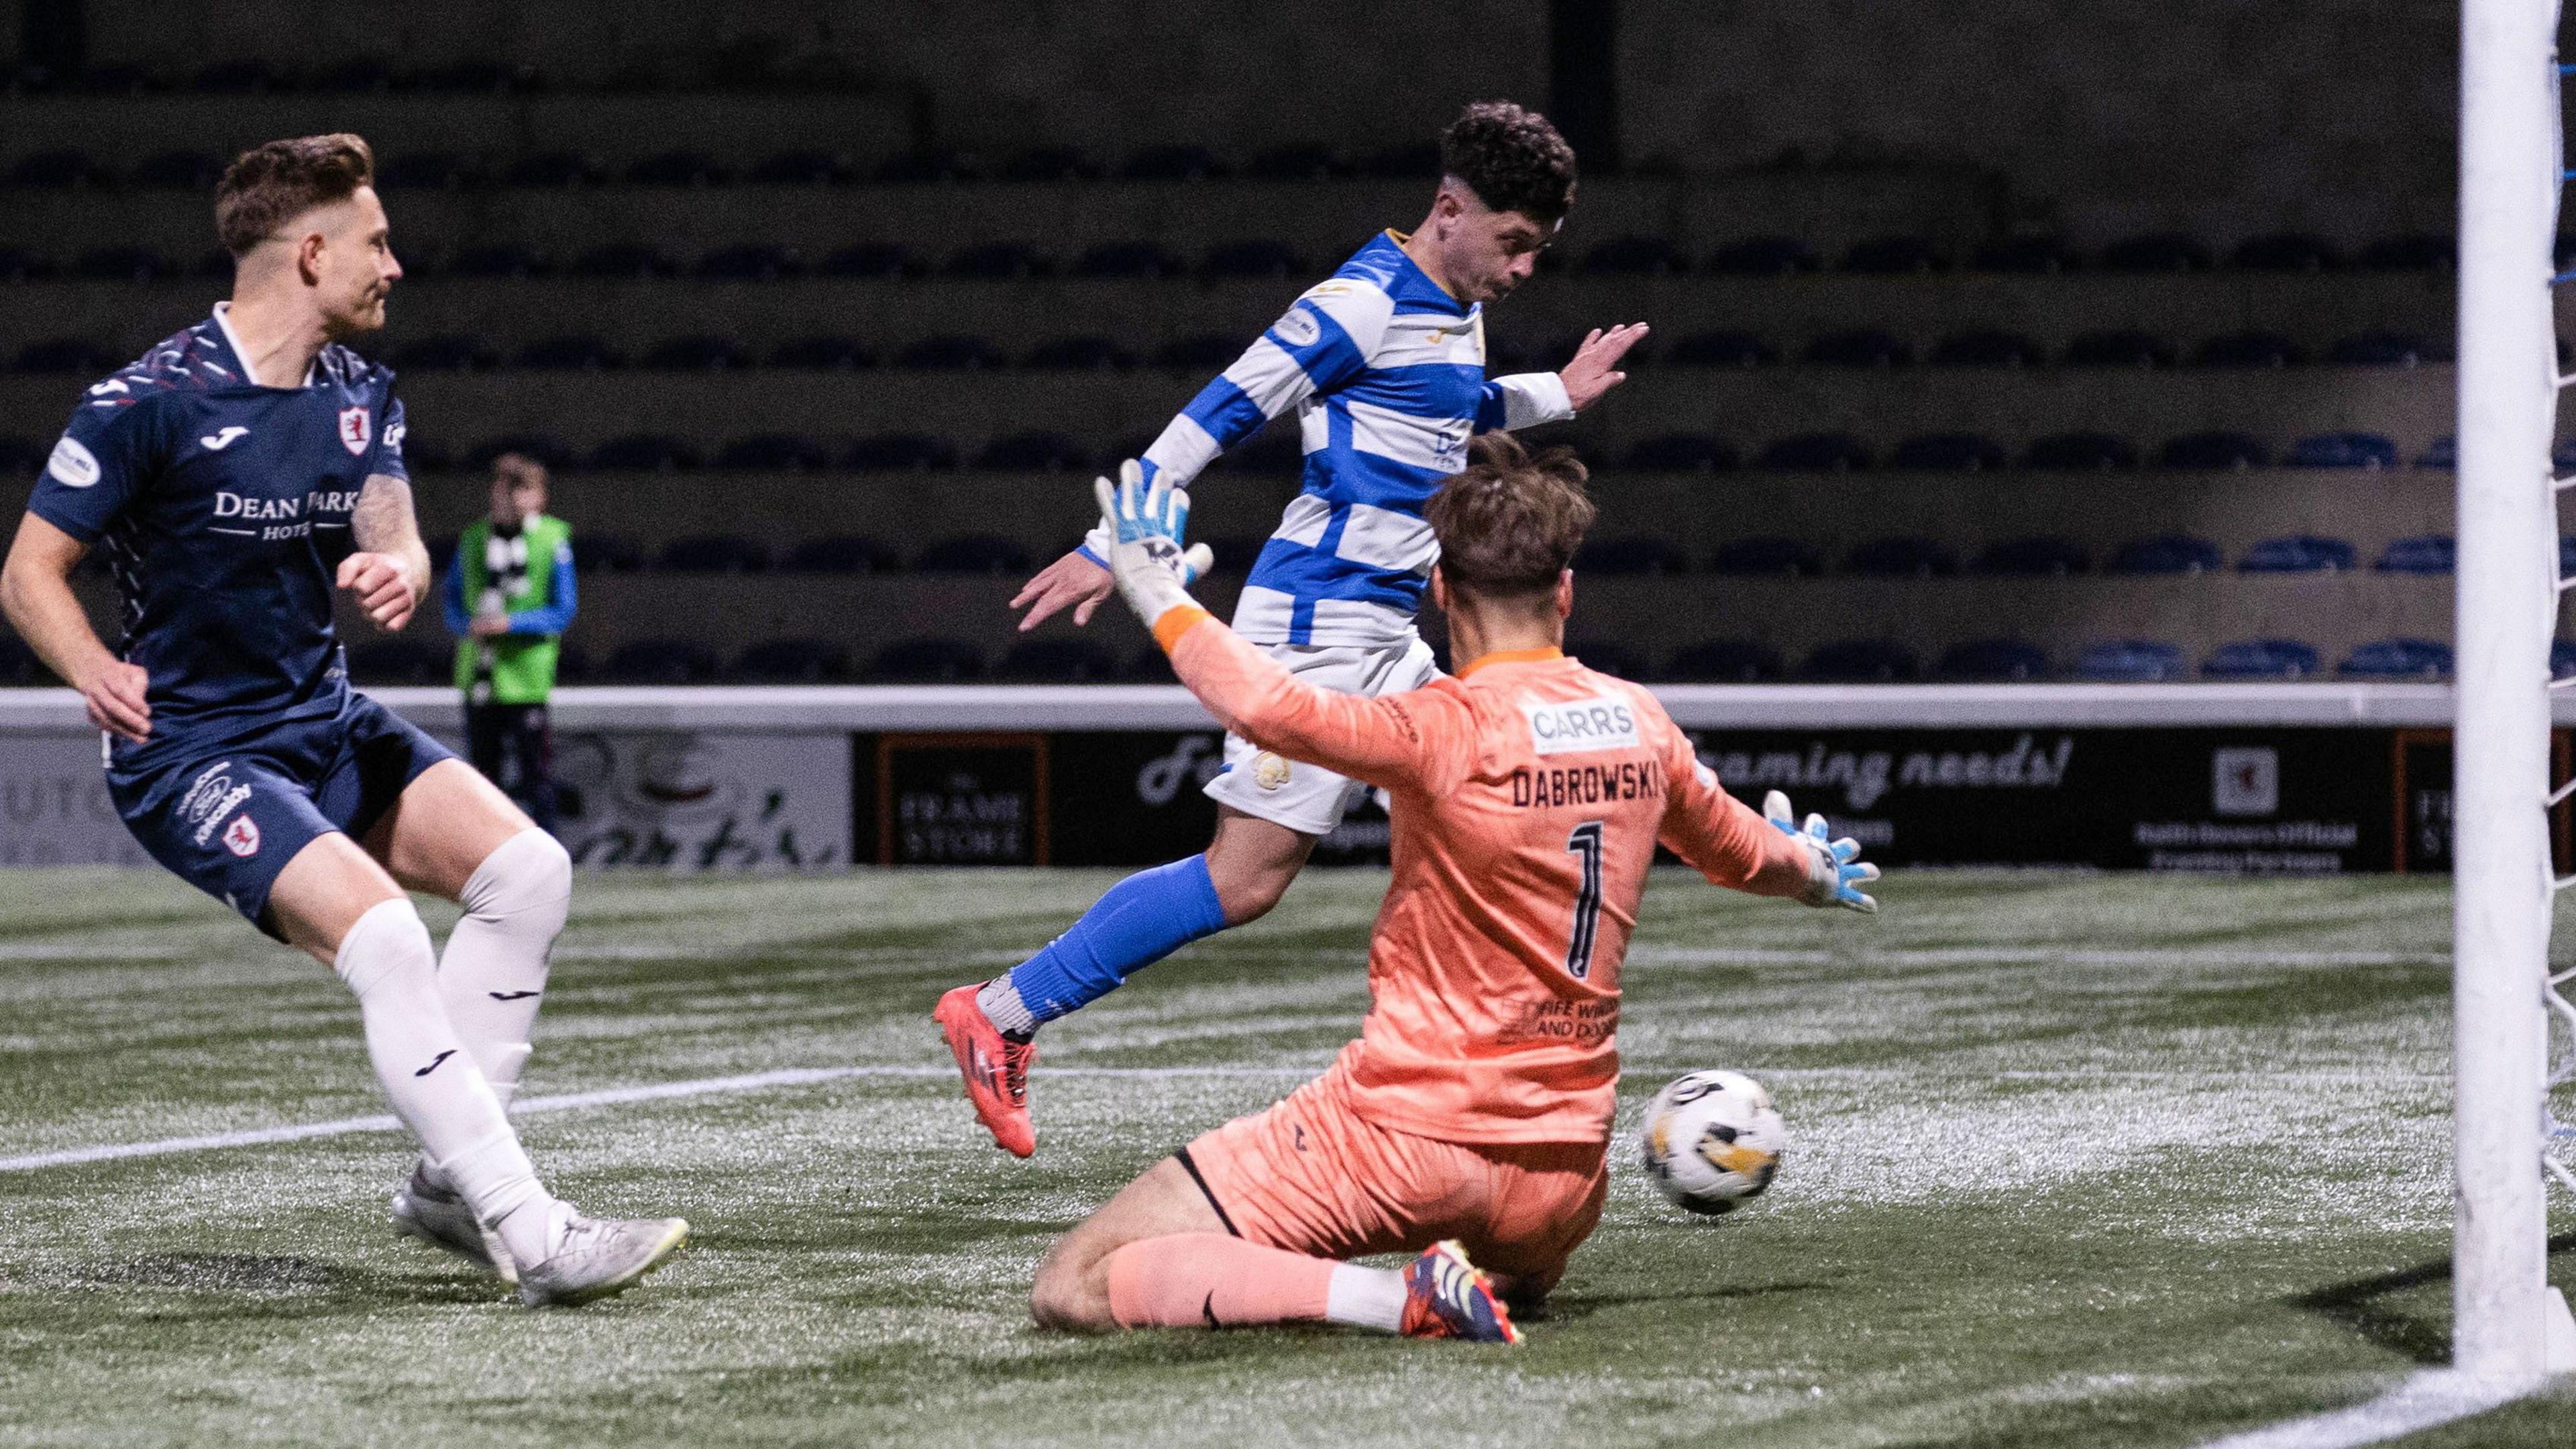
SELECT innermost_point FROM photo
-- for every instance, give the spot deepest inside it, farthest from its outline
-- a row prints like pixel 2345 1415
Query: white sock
pixel 432 1080
pixel 1365 1297
pixel 493 973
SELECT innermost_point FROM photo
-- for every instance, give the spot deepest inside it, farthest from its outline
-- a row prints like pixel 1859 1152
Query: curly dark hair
pixel 1512 159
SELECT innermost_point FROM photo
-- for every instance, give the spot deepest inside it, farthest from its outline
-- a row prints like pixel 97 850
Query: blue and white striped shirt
pixel 1387 373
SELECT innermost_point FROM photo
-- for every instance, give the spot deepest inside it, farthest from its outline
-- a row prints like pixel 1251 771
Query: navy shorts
pixel 227 821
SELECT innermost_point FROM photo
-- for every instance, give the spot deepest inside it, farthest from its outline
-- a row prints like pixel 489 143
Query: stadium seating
pixel 951 353
pixel 2129 661
pixel 2253 659
pixel 2432 553
pixel 1816 453
pixel 1127 260
pixel 1766 555
pixel 1611 657
pixel 824 352
pixel 449 352
pixel 843 553
pixel 1859 347
pixel 1033 452
pixel 1635 556
pixel 2388 349
pixel 792 661
pixel 2286 252
pixel 925 661
pixel 774 453
pixel 979 553
pixel 1862 661
pixel 2298 554
pixel 2045 256
pixel 398 661
pixel 1636 256
pixel 645 453
pixel 2398 659
pixel 1720 349
pixel 2167 554
pixel 1993 661
pixel 749 262
pixel 2216 450
pixel 714 553
pixel 701 353
pixel 1057 661
pixel 1988 347
pixel 2155 252
pixel 900 452
pixel 1763 256
pixel 2343 450
pixel 1683 453
pixel 1948 453
pixel 2120 347
pixel 2044 556
pixel 2080 453
pixel 998 261
pixel 2249 349
pixel 1889 256
pixel 661 661
pixel 1089 352
pixel 1902 556
pixel 1725 661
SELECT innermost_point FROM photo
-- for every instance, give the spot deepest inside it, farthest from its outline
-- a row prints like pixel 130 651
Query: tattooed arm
pixel 389 574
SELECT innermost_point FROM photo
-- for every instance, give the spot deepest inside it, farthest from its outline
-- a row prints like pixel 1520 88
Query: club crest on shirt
pixel 1269 771
pixel 354 430
pixel 242 836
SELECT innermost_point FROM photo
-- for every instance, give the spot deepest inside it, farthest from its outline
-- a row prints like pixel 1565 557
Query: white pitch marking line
pixel 2424 1401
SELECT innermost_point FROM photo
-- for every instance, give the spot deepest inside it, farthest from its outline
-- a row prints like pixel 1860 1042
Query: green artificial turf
pixel 2080 1160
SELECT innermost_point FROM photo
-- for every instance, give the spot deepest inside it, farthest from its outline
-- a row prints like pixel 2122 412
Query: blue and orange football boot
pixel 1445 1296
pixel 995 1067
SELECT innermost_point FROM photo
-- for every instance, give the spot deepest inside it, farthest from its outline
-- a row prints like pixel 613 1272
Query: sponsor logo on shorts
pixel 1604 722
pixel 211 797
pixel 72 465
pixel 242 836
pixel 355 430
pixel 1269 771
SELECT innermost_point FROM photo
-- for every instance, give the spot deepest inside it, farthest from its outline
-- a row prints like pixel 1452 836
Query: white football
pixel 1712 1140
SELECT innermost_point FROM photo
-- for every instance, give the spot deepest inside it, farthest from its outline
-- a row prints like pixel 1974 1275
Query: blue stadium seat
pixel 950 354
pixel 2080 453
pixel 17 264
pixel 554 170
pixel 2562 454
pixel 2443 453
pixel 901 452
pixel 1175 162
pixel 713 553
pixel 1411 161
pixel 424 171
pixel 498 261
pixel 792 661
pixel 1948 453
pixel 2120 347
pixel 1721 349
pixel 801 168
pixel 1255 258
pixel 2567 555
pixel 925 661
pixel 2030 255
pixel 1766 555
pixel 1127 259
pixel 1033 452
pixel 1040 164
pixel 2431 554
pixel 2261 659
pixel 1859 347
pixel 2398 659
pixel 976 553
pixel 1763 256
pixel 2286 252
pixel 2562 659
pixel 1815 453
pixel 824 353
pixel 624 261
pixel 1987 348
pixel 878 259
pixel 579 352
pixel 2301 553
pixel 1208 352
pixel 1636 556
pixel 2249 349
pixel 2389 349
pixel 998 261
pixel 1862 661
pixel 843 553
pixel 2419 252
pixel 182 171
pixel 925 166
pixel 1905 556
pixel 121 264
pixel 749 262
pixel 1725 661
pixel 59 170
pixel 661 661
pixel 2168 554
pixel 2343 450
pixel 774 453
pixel 1993 661
pixel 1086 353
pixel 679 168
pixel 397 662
pixel 68 354
pixel 2214 451
pixel 2045 556
pixel 2129 661
pixel 1609 656
pixel 1057 661
pixel 448 352
pixel 1635 256
pixel 1890 256
pixel 1297 162
pixel 697 354
pixel 20 457
pixel 546 448
pixel 2155 252
pixel 1682 453
pixel 645 453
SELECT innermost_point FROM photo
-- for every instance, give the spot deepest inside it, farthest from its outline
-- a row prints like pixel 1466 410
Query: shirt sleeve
pixel 555 617
pixel 451 596
pixel 388 458
pixel 1522 400
pixel 1419 742
pixel 1320 343
pixel 1720 836
pixel 99 465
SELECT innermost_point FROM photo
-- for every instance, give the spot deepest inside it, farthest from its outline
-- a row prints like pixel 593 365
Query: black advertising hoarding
pixel 961 799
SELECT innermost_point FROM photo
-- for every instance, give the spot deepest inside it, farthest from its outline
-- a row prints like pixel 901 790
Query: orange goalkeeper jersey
pixel 1529 795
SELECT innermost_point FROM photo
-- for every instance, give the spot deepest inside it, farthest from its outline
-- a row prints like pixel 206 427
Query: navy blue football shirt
pixel 222 509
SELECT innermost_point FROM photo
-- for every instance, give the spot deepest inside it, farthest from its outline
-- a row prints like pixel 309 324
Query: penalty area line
pixel 2423 1401
pixel 573 1101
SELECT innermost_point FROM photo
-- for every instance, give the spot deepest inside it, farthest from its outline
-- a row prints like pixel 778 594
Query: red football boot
pixel 1445 1296
pixel 996 1070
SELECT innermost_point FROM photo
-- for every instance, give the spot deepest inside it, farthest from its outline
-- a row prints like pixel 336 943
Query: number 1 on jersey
pixel 1585 842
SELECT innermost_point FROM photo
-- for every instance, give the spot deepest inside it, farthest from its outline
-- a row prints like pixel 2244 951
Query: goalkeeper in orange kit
pixel 1469 1123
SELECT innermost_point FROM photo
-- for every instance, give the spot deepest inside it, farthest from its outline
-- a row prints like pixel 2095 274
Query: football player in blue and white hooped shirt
pixel 1385 364
pixel 233 477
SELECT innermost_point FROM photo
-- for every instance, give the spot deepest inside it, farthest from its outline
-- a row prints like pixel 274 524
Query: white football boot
pixel 439 1217
pixel 597 1257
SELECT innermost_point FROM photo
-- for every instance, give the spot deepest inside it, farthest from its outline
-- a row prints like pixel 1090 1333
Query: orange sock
pixel 1211 1280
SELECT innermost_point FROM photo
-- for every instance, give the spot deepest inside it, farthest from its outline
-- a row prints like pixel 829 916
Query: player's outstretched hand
pixel 115 696
pixel 1145 522
pixel 1594 368
pixel 382 586
pixel 1835 871
pixel 1072 581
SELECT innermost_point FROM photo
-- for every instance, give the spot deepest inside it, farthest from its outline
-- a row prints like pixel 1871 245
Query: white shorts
pixel 1310 799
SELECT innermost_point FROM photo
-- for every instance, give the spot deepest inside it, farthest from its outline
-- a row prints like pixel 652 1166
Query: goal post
pixel 2508 1325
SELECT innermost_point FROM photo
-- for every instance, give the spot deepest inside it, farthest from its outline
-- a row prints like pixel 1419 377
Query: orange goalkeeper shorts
pixel 1312 1176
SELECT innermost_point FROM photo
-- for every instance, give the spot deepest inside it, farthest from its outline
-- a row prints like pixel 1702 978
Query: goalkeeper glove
pixel 1196 560
pixel 1143 524
pixel 1835 871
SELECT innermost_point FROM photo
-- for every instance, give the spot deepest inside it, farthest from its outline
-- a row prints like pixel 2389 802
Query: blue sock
pixel 1141 920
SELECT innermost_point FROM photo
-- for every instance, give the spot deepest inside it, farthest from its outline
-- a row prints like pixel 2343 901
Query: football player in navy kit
pixel 232 478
